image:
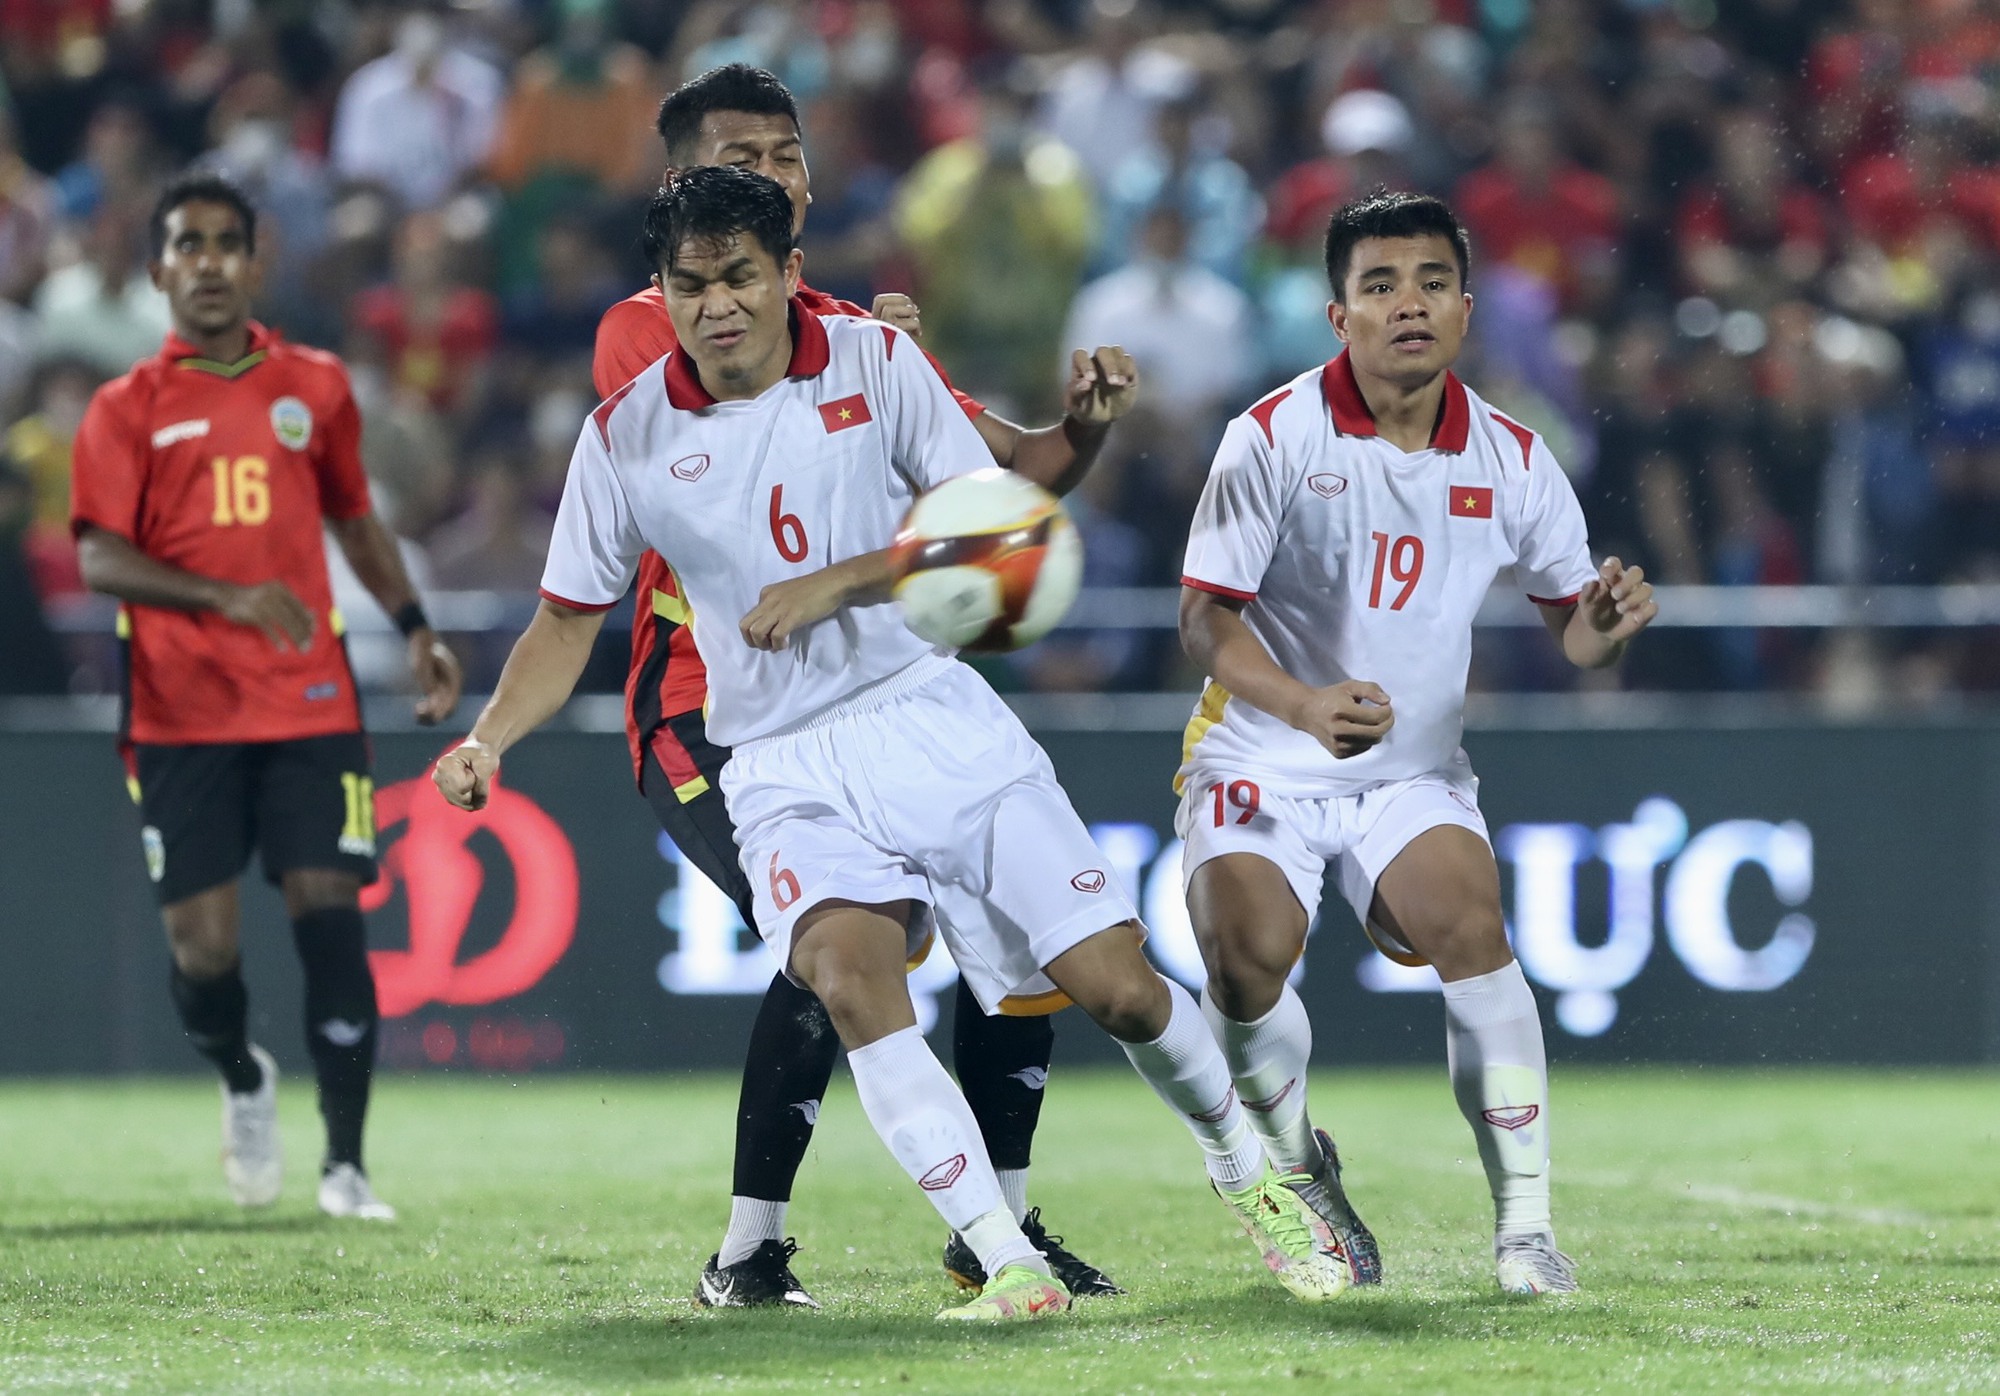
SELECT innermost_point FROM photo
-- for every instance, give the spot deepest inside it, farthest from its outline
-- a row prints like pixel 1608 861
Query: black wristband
pixel 410 617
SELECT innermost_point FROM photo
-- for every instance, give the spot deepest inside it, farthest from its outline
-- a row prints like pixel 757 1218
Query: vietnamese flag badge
pixel 1467 501
pixel 842 413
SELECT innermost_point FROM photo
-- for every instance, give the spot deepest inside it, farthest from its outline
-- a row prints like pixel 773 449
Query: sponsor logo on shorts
pixel 1092 881
pixel 320 692
pixel 1327 486
pixel 1271 1102
pixel 944 1175
pixel 291 423
pixel 808 1108
pixel 1035 1078
pixel 180 431
pixel 156 852
pixel 358 845
pixel 1511 1116
pixel 343 1033
pixel 1216 1116
pixel 689 467
pixel 1464 803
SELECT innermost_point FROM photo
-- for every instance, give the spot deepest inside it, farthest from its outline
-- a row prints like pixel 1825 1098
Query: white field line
pixel 1724 1195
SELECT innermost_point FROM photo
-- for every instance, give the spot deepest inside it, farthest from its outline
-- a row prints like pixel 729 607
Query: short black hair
pixel 714 203
pixel 1381 214
pixel 201 186
pixel 732 87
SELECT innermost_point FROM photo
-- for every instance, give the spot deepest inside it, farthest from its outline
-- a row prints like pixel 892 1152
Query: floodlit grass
pixel 1834 1231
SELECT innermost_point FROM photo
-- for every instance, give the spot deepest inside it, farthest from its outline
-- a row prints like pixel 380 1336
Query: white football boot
pixel 1531 1264
pixel 253 1160
pixel 344 1192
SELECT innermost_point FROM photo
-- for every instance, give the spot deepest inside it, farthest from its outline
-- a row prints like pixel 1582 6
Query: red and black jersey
pixel 667 677
pixel 227 471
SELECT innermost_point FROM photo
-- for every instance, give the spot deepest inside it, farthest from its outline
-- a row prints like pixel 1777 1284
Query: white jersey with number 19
pixel 1360 561
pixel 818 469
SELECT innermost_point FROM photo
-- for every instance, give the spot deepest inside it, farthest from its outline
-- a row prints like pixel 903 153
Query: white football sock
pixel 1014 1187
pixel 752 1222
pixel 1500 1074
pixel 1267 1059
pixel 1185 1069
pixel 919 1112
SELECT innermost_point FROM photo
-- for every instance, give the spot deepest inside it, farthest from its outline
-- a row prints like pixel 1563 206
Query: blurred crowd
pixel 1738 260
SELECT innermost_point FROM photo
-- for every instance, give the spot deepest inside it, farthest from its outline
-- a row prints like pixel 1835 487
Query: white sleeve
pixel 931 439
pixel 1552 547
pixel 595 548
pixel 1236 523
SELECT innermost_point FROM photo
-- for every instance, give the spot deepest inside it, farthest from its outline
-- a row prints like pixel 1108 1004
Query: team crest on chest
pixel 291 423
pixel 689 467
pixel 1327 486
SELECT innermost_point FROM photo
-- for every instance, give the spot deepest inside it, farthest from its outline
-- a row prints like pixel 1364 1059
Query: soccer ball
pixel 987 561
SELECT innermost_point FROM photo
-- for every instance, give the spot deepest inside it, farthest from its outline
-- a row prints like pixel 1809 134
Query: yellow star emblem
pixel 1470 504
pixel 847 414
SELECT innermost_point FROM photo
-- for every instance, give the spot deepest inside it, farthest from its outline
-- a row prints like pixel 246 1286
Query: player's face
pixel 1406 311
pixel 765 145
pixel 206 269
pixel 728 302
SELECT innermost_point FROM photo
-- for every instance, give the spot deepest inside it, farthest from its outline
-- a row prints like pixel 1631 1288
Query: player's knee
pixel 1472 940
pixel 1132 1008
pixel 309 890
pixel 203 946
pixel 1246 973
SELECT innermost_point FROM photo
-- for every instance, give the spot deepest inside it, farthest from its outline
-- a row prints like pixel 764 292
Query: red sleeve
pixel 108 470
pixel 967 403
pixel 631 335
pixel 343 484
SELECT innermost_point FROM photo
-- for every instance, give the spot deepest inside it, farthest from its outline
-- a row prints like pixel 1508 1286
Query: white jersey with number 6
pixel 818 469
pixel 1360 561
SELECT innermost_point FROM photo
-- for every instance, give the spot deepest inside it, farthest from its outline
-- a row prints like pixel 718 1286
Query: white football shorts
pixel 1360 835
pixel 925 786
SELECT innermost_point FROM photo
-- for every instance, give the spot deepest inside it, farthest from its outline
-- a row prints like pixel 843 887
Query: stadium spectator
pixel 999 225
pixel 433 333
pixel 1187 171
pixel 1191 328
pixel 253 142
pixel 419 119
pixel 580 106
pixel 1103 102
pixel 31 660
pixel 104 309
pixel 1534 208
pixel 27 217
pixel 1754 233
pixel 119 163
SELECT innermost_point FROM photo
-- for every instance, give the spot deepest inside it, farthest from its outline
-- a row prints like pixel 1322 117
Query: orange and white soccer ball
pixel 987 561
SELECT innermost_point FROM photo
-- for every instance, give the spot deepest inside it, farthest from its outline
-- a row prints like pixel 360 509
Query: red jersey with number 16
pixel 667 677
pixel 227 471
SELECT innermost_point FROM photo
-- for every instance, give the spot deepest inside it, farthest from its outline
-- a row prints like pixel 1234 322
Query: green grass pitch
pixel 1736 1232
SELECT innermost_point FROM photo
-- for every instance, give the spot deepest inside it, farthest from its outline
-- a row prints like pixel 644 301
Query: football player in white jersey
pixel 878 786
pixel 1351 525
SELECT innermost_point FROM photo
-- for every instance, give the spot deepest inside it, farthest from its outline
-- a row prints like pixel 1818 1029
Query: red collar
pixel 175 348
pixel 1351 414
pixel 810 355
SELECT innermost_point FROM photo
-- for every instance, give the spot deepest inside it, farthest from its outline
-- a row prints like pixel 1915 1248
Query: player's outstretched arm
pixel 114 566
pixel 1103 386
pixel 1613 607
pixel 1345 718
pixel 540 675
pixel 787 607
pixel 372 553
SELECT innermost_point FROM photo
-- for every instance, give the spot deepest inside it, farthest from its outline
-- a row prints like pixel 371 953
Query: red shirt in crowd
pixel 432 359
pixel 667 677
pixel 1542 231
pixel 228 471
pixel 1891 204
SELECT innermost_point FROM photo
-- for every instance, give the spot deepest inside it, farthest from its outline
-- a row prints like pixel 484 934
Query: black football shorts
pixel 307 803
